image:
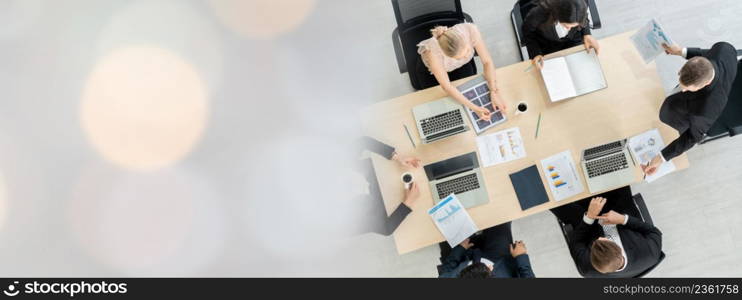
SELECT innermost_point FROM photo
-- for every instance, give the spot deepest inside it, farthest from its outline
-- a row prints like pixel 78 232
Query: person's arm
pixel 457 256
pixel 652 233
pixel 587 38
pixel 490 74
pixel 686 140
pixel 436 67
pixel 581 238
pixel 400 213
pixel 523 265
pixel 531 35
pixel 375 146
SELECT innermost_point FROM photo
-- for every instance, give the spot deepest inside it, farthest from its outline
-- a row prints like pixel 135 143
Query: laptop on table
pixel 460 176
pixel 608 166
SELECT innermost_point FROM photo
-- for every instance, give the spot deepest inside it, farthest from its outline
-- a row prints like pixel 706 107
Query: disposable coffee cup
pixel 521 108
pixel 407 180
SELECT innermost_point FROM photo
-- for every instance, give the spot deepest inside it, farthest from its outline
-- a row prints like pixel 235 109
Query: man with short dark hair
pixel 705 82
pixel 487 255
pixel 611 244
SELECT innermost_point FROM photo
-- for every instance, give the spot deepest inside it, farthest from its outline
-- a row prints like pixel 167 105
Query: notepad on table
pixel 573 75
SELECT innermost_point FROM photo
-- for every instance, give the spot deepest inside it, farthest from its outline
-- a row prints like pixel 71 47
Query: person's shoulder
pixel 726 51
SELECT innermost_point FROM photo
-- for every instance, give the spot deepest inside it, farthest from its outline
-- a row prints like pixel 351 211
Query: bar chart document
pixel 562 176
pixel 500 147
pixel 649 39
pixel 573 75
pixel 452 220
pixel 645 147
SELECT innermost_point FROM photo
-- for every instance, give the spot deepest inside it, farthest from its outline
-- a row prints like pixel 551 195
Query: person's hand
pixel 499 103
pixel 591 43
pixel 483 113
pixel 652 166
pixel 538 61
pixel 673 50
pixel 596 204
pixel 411 195
pixel 407 161
pixel 518 248
pixel 612 218
pixel 466 244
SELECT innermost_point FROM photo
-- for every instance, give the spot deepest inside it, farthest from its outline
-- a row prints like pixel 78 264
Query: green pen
pixel 538 125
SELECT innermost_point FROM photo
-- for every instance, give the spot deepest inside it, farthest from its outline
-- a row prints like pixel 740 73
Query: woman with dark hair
pixel 555 25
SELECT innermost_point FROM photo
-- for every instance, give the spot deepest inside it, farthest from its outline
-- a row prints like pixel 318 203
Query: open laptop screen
pixel 451 166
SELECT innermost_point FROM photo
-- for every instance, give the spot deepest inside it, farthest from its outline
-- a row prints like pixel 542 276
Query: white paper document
pixel 649 39
pixel 561 175
pixel 452 220
pixel 646 146
pixel 573 75
pixel 500 147
pixel 557 79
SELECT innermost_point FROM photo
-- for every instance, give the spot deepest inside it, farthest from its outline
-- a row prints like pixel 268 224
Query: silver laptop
pixel 439 119
pixel 459 175
pixel 608 166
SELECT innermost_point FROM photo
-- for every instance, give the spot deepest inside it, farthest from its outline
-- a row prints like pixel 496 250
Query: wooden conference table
pixel 629 106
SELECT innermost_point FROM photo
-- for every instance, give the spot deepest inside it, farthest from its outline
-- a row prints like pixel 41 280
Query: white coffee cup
pixel 521 108
pixel 407 179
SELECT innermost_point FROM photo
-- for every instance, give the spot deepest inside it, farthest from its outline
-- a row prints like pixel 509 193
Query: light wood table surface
pixel 629 106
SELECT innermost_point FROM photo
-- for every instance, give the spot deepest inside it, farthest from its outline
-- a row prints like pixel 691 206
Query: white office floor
pixel 697 209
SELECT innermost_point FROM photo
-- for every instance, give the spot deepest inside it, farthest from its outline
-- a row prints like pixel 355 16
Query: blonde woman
pixel 450 49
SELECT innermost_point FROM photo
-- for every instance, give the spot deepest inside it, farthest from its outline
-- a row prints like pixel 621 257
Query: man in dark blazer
pixel 611 244
pixel 705 82
pixel 487 255
pixel 370 207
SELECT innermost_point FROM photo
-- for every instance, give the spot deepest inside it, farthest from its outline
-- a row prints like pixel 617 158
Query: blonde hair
pixel 450 41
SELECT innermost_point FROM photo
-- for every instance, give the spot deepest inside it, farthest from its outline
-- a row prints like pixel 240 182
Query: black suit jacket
pixel 641 242
pixel 693 113
pixel 541 38
pixel 375 211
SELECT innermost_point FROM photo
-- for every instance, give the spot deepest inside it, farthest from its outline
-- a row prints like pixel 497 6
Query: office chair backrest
pixel 408 10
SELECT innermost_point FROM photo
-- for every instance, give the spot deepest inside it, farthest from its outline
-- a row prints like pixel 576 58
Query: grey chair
pixel 415 19
pixel 567 230
pixel 729 123
pixel 521 9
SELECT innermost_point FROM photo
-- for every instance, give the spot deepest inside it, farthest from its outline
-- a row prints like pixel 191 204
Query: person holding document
pixel 490 254
pixel 555 25
pixel 451 48
pixel 705 82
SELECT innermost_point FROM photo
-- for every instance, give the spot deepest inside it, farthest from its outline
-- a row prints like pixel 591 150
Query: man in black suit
pixel 705 82
pixel 611 244
pixel 491 254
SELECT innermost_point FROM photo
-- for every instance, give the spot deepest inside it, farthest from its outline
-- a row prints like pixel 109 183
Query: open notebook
pixel 573 75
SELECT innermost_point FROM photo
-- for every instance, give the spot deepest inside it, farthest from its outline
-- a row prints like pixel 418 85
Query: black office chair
pixel 729 123
pixel 645 216
pixel 415 19
pixel 521 9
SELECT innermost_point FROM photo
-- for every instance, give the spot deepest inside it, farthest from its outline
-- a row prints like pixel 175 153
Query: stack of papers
pixel 452 220
pixel 645 147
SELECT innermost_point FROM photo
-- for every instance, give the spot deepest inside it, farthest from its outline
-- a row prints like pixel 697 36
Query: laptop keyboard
pixel 589 153
pixel 457 186
pixel 441 122
pixel 605 165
